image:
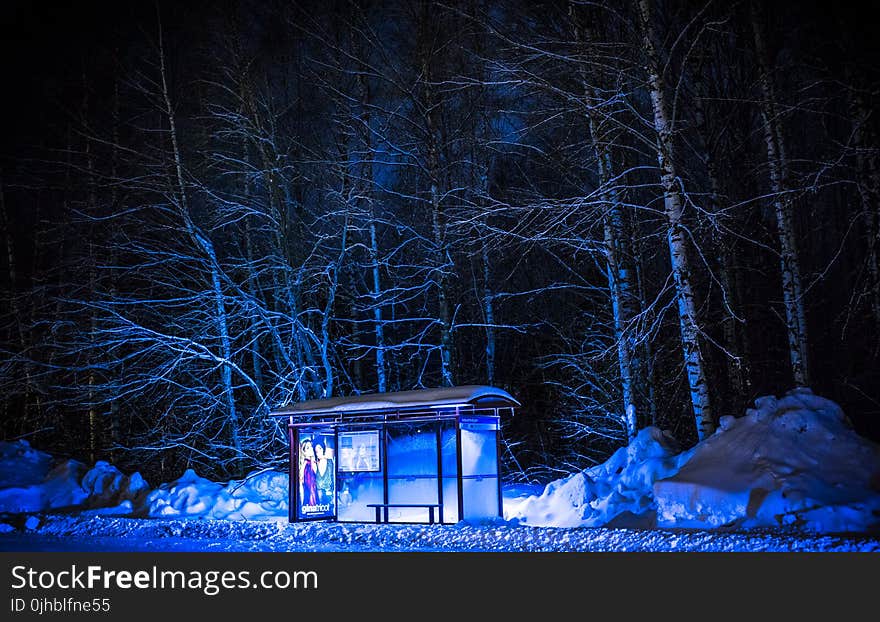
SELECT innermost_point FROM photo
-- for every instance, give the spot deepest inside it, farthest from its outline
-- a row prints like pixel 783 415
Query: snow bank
pixel 21 465
pixel 262 495
pixel 59 488
pixel 615 492
pixel 30 483
pixel 793 461
pixel 108 488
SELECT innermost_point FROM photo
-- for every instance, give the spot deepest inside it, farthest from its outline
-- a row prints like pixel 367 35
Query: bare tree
pixel 672 198
pixel 777 160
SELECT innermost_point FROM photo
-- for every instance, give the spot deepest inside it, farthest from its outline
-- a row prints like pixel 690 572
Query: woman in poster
pixel 325 472
pixel 308 476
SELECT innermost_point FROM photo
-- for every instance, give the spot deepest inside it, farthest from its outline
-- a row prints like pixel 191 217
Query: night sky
pixel 44 43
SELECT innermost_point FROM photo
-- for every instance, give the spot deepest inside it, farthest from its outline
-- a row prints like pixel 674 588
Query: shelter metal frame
pixel 384 418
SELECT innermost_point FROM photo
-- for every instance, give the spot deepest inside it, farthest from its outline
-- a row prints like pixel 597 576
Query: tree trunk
pixel 332 287
pixel 252 289
pixel 115 432
pixel 488 302
pixel 869 193
pixel 489 312
pixel 624 304
pixel 446 362
pixel 381 378
pixel 376 277
pixel 645 360
pixel 441 251
pixel 91 209
pixel 207 246
pixel 621 290
pixel 480 163
pixel 792 290
pixel 17 316
pixel 690 330
pixel 732 358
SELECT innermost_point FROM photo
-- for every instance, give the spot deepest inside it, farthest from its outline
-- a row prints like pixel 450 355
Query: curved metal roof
pixel 466 395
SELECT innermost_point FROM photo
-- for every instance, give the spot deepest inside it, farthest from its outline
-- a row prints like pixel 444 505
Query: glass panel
pixel 356 490
pixel 479 465
pixel 412 470
pixel 412 450
pixel 479 452
pixel 447 441
pixel 480 497
pixel 450 500
pixel 414 490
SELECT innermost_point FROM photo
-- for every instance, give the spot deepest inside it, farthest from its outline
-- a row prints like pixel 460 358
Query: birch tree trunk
pixel 646 369
pixel 619 276
pixel 375 274
pixel 620 288
pixel 441 252
pixel 332 287
pixel 481 185
pixel 446 362
pixel 480 163
pixel 690 330
pixel 792 290
pixel 207 247
pixel 489 312
pixel 624 304
pixel 379 327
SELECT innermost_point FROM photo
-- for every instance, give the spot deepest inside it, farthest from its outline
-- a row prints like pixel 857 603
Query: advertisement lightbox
pixel 317 475
pixel 359 451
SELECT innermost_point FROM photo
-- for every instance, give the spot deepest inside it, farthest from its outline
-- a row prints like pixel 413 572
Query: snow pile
pixel 30 483
pixel 21 465
pixel 619 491
pixel 262 495
pixel 107 488
pixel 789 462
pixel 793 462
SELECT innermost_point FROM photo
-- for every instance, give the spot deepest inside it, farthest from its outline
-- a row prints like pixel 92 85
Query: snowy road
pixel 77 533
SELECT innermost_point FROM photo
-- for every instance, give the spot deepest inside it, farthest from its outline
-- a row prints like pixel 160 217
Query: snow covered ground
pixel 789 475
pixel 100 533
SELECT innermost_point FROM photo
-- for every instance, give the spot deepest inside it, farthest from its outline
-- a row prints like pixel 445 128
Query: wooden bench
pixel 380 506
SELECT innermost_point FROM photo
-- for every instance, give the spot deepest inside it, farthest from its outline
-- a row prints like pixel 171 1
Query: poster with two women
pixel 317 475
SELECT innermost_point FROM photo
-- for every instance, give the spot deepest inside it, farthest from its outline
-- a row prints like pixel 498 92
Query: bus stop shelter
pixel 423 456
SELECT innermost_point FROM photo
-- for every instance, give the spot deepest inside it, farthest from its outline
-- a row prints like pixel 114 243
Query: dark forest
pixel 625 213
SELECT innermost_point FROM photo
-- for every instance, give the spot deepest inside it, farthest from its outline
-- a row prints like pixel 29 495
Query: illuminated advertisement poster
pixel 359 451
pixel 317 475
